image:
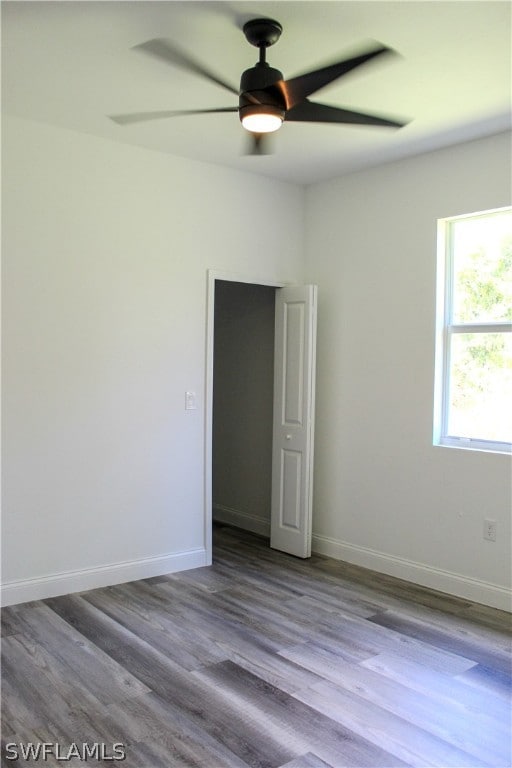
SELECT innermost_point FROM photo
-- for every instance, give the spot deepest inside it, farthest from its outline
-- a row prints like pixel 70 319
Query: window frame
pixel 446 329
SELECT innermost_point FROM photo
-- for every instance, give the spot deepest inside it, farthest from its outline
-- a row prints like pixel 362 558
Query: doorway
pixel 262 420
pixel 243 391
pixel 240 381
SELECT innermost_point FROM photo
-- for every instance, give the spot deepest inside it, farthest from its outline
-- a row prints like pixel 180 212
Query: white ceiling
pixel 70 64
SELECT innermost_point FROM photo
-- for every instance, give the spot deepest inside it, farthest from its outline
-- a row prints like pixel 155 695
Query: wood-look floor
pixel 262 660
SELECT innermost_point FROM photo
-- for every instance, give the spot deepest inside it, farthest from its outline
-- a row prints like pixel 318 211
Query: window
pixel 473 407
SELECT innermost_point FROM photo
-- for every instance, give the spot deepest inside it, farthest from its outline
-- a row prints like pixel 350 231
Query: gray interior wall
pixel 242 403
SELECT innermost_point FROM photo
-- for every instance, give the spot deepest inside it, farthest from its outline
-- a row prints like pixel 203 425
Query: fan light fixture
pixel 265 98
pixel 261 118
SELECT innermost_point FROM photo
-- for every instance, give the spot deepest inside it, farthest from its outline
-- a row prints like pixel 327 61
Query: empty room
pixel 256 379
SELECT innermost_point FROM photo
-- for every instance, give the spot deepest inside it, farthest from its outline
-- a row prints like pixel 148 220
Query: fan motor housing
pixel 259 77
pixel 256 88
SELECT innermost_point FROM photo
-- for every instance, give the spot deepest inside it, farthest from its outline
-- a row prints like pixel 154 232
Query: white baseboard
pixel 53 585
pixel 435 578
pixel 247 522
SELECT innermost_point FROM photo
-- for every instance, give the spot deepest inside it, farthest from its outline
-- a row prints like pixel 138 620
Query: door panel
pixel 292 392
pixel 290 489
pixel 293 429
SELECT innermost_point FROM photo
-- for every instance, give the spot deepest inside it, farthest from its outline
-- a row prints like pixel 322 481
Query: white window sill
pixel 469 444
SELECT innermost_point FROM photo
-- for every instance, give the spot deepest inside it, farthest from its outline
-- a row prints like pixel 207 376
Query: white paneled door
pixel 294 410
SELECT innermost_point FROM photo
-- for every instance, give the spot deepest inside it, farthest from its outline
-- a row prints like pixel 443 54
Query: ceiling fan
pixel 265 98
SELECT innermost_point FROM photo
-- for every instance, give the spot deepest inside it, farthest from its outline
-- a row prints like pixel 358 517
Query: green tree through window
pixel 476 375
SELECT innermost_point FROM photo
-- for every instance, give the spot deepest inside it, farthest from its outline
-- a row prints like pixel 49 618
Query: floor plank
pixel 478 735
pixel 262 661
pixel 445 639
pixel 307 761
pixel 441 687
pixel 289 722
pixel 411 743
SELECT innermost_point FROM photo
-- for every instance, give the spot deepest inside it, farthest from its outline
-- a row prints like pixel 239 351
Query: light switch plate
pixel 190 401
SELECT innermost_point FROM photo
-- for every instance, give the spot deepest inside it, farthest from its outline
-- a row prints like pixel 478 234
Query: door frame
pixel 231 277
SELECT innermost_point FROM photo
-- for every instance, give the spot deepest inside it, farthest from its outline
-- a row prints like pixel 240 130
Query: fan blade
pixel 167 51
pixel 141 117
pixel 299 88
pixel 310 112
pixel 260 144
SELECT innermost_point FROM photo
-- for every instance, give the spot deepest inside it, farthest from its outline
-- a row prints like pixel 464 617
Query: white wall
pixel 105 255
pixel 384 496
pixel 243 399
